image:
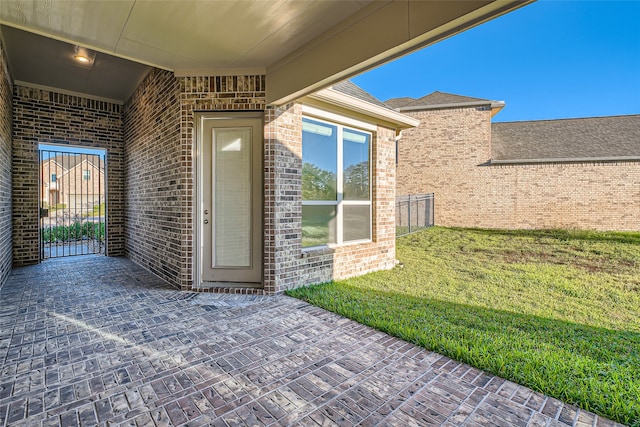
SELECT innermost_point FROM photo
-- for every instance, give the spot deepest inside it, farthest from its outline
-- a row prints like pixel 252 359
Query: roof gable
pixel 67 161
pixel 84 164
pixel 442 100
pixel 349 97
pixel 566 139
pixel 349 88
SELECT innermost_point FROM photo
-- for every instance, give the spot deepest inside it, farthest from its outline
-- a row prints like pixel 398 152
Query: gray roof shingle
pixel 69 161
pixel 399 102
pixel 584 138
pixel 349 88
pixel 435 99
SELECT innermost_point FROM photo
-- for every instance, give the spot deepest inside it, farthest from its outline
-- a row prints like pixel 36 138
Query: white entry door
pixel 232 200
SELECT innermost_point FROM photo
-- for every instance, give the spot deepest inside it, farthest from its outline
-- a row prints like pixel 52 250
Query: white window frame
pixel 342 122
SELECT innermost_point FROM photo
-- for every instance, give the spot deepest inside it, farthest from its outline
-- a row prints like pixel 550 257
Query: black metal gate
pixel 72 202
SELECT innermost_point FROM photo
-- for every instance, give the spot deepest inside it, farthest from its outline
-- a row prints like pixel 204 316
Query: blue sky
pixel 548 60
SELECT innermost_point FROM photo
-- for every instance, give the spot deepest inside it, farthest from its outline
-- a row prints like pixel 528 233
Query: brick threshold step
pixel 231 288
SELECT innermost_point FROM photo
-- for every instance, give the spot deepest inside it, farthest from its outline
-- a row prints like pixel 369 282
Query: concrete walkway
pixel 99 341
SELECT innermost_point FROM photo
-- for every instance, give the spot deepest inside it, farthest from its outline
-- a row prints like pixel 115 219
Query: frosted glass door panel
pixel 232 197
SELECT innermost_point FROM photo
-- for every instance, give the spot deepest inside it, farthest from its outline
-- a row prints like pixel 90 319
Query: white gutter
pixel 340 99
pixel 492 104
pixel 566 160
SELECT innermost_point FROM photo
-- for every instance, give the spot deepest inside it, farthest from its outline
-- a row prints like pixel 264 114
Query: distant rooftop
pixel 68 161
pixel 439 100
pixel 442 100
pixel 396 103
pixel 582 139
pixel 607 138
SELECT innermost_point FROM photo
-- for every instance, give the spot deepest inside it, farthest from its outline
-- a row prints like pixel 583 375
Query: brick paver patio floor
pixel 99 341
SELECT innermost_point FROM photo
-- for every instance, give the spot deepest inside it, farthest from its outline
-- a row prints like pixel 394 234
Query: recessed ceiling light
pixel 81 58
pixel 82 55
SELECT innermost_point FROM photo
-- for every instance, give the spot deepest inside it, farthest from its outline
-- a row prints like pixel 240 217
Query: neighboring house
pixel 50 171
pixel 567 173
pixel 75 182
pixel 82 186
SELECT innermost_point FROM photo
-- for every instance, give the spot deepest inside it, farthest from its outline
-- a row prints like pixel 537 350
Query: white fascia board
pixel 207 72
pixel 492 104
pixel 383 115
pixel 325 114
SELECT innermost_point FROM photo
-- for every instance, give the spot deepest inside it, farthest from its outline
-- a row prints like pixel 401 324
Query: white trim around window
pixel 317 113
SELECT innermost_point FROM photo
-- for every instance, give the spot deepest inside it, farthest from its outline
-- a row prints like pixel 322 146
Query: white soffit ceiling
pixel 183 35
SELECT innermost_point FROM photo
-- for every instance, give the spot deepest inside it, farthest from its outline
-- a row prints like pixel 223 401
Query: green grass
pixel 557 311
pixel 98 210
pixel 73 232
pixel 401 230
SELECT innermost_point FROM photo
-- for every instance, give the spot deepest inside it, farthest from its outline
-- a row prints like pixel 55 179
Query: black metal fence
pixel 72 203
pixel 414 212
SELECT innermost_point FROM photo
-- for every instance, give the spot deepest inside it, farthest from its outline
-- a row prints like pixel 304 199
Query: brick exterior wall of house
pixel 47 169
pixel 155 212
pixel 6 241
pixel 160 138
pixel 445 153
pixel 76 185
pixel 42 116
pixel 287 266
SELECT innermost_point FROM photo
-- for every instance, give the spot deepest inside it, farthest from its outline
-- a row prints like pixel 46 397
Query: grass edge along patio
pixel 556 311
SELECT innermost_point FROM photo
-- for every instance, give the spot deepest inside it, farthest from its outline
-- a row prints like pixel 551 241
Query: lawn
pixel 557 311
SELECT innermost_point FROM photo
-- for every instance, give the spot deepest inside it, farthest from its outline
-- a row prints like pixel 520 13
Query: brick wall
pixel 42 116
pixel 155 173
pixel 286 265
pixel 159 134
pixel 445 154
pixel 282 199
pixel 6 240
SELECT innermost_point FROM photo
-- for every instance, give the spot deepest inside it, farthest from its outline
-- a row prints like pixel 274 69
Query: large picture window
pixel 336 183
